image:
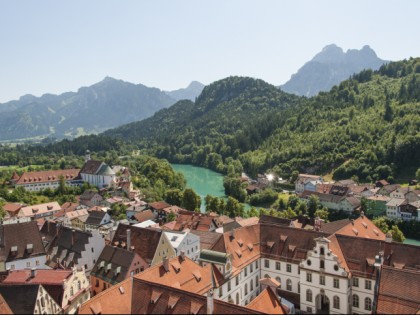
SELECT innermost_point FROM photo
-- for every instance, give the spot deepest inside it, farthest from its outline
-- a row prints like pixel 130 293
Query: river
pixel 202 180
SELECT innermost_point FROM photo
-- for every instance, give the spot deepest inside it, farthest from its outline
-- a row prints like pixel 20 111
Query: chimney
pixel 388 237
pixel 73 237
pixel 33 273
pixel 352 222
pixel 362 214
pixel 182 255
pixel 128 239
pixel 210 302
pixel 166 263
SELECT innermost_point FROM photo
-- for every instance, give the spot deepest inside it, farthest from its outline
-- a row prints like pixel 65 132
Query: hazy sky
pixel 58 46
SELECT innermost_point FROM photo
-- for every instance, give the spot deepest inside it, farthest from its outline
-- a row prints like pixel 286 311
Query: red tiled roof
pixel 144 216
pixel 12 208
pixel 159 205
pixel 47 176
pixel 4 307
pixel 44 277
pixel 267 302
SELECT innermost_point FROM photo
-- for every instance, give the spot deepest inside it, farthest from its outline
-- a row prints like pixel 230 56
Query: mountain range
pixel 101 106
pixel 329 67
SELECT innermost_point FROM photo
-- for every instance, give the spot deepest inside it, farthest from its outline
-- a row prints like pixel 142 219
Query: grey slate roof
pixel 95 217
pixel 20 298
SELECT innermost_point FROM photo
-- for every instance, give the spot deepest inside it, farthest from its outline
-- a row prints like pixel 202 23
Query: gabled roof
pixel 88 195
pixel 95 217
pixel 267 302
pixel 12 208
pixel 22 237
pixel 113 264
pixel 183 273
pixel 399 291
pixel 91 167
pixel 42 276
pixel 159 205
pixel 332 227
pixel 275 220
pixel 20 298
pixel 361 227
pixel 144 216
pixel 47 176
pixel 144 240
pixel 115 300
pixel 208 240
pixel 33 210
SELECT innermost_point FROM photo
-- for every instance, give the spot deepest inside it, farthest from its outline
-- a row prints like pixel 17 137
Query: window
pixel 368 285
pixel 298 287
pixel 79 286
pixel 309 310
pixel 37 263
pixel 322 264
pixel 336 302
pixel 229 287
pixel 72 291
pixel 237 298
pixel 246 288
pixel 246 271
pixel 277 265
pixel 336 283
pixel 237 281
pixel 252 284
pixel 42 302
pixel 309 295
pixel 266 263
pixel 28 264
pixel 309 277
pixel 256 282
pixel 368 304
pixel 92 249
pixel 289 285
pixel 289 268
pixel 220 291
pixel 322 280
pixel 355 282
pixel 251 268
pixel 322 251
pixel 278 279
pixel 355 300
pixel 256 264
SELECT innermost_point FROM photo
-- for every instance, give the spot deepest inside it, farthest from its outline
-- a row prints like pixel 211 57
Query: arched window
pixel 246 288
pixel 309 295
pixel 289 285
pixel 355 300
pixel 322 250
pixel 42 302
pixel 278 280
pixel 237 298
pixel 336 302
pixel 368 304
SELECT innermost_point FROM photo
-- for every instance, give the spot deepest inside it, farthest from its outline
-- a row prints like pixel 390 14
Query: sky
pixel 58 46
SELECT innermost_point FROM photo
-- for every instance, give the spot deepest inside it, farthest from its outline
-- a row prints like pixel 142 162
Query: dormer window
pixel 322 251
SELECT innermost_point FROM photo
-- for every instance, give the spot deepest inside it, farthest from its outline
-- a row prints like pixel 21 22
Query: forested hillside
pixel 367 126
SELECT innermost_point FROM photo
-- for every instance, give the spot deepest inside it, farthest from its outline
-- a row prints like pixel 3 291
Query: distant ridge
pixel 189 93
pixel 329 67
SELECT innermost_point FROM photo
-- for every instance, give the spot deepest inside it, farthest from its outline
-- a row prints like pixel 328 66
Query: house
pixel 97 173
pixel 393 208
pixel 410 210
pixel 21 246
pixel 157 208
pixel 29 299
pixel 381 183
pixel 150 244
pixel 68 288
pixel 40 180
pixel 12 208
pixel 134 208
pixel 333 202
pixel 70 216
pixel 67 248
pixel 96 219
pixel 90 198
pixel 79 222
pixel 195 221
pixel 44 210
pixel 388 189
pixel 184 242
pixel 113 266
pixel 304 180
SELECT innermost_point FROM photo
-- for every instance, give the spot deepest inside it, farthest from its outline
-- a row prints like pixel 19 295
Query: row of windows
pixel 368 283
pixel 229 287
pixel 278 265
pixel 336 301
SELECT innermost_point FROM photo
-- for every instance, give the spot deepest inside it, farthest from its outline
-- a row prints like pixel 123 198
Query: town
pixel 110 251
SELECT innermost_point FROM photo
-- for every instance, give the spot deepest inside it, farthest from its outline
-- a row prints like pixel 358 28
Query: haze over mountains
pixel 101 106
pixel 329 67
pixel 112 103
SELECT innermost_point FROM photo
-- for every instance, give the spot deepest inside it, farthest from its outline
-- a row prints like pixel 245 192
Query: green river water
pixel 202 180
